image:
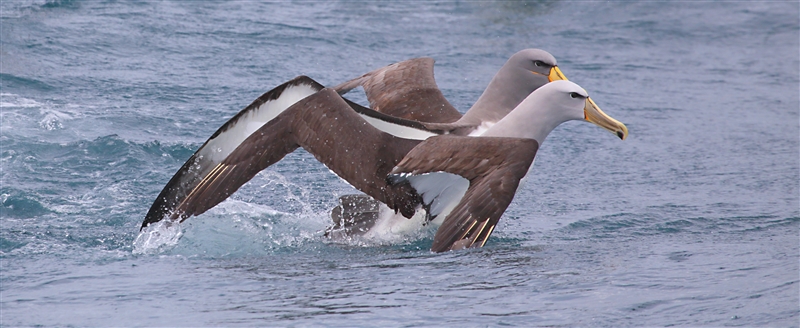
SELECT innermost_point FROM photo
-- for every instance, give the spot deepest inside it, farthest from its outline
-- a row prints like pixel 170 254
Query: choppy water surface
pixel 694 220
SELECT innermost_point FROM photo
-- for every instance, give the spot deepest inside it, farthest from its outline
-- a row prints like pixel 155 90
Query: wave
pixel 633 225
pixel 19 8
pixel 94 193
pixel 13 82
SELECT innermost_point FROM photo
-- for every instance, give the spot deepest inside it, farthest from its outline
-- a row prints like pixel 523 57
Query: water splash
pixel 157 236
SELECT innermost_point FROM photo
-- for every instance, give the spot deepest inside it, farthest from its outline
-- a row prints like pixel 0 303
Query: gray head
pixel 536 61
pixel 524 72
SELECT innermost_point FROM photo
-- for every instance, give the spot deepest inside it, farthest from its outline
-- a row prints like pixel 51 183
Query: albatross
pixel 408 103
pixel 408 90
pixel 463 183
pixel 408 94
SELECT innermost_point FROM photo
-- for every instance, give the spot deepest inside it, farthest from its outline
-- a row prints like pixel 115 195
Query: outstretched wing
pixel 327 127
pixel 406 90
pixel 493 168
pixel 222 143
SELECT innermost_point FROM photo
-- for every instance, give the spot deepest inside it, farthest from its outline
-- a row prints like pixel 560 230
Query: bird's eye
pixel 576 95
pixel 539 63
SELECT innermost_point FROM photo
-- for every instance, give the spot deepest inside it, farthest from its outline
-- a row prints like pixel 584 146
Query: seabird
pixel 409 106
pixel 463 183
pixel 408 90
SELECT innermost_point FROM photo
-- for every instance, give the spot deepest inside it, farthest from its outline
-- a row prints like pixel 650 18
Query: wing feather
pixel 326 126
pixel 406 90
pixel 217 148
pixel 493 166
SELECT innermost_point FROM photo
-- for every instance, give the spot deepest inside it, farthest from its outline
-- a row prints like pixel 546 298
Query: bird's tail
pixel 355 215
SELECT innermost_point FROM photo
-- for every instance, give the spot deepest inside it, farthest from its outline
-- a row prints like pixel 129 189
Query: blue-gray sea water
pixel 694 220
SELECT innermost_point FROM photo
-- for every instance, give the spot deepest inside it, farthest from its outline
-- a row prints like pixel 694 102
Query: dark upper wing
pixel 323 124
pixel 493 166
pixel 406 90
pixel 328 128
pixel 204 163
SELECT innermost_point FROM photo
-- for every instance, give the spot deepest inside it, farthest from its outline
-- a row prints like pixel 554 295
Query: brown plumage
pixel 353 149
pixel 493 166
pixel 466 181
pixel 171 202
pixel 406 90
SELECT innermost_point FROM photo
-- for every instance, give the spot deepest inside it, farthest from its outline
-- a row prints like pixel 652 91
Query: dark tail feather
pixel 355 215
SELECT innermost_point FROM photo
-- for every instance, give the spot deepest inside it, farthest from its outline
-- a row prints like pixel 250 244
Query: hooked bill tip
pixel 621 135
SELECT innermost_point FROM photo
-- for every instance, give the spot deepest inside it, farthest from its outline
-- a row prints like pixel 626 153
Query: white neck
pixel 534 119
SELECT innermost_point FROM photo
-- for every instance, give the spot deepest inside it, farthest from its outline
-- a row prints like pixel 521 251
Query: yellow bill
pixel 555 74
pixel 593 114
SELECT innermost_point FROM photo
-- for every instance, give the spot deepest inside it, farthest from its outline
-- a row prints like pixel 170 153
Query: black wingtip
pixel 155 214
pixel 151 218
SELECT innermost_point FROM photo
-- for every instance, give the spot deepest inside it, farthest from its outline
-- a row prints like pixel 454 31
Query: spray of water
pixel 157 236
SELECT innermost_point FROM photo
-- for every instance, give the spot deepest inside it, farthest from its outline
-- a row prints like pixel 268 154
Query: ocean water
pixel 692 221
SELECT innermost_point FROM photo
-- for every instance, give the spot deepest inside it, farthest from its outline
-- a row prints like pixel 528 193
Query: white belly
pixel 392 227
